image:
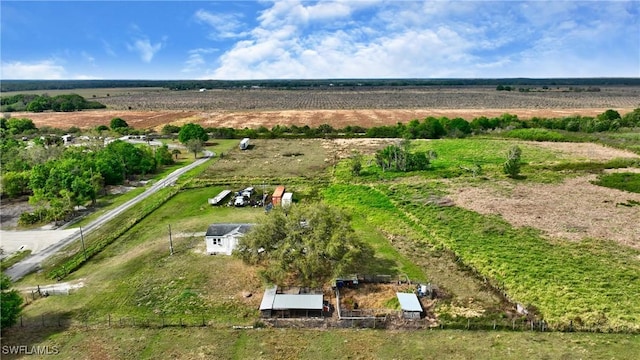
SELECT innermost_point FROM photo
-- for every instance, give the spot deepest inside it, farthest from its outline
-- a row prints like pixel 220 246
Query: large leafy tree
pixel 10 303
pixel 18 126
pixel 307 245
pixel 192 131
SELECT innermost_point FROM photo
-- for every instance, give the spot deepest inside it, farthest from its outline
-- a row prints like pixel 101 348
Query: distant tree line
pixel 430 127
pixel 35 85
pixel 40 103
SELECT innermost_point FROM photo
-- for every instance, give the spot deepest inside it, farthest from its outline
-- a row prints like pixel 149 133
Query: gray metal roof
pixel 409 302
pixel 268 298
pixel 224 229
pixel 273 301
pixel 299 301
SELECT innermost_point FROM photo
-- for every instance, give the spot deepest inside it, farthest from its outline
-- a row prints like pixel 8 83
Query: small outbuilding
pixel 287 199
pixel 410 305
pixel 223 238
pixel 276 197
pixel 293 303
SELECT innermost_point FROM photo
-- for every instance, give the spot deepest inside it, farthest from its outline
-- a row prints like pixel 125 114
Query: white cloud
pixel 145 49
pixel 196 59
pixel 88 57
pixel 224 25
pixel 296 39
pixel 108 49
pixel 44 70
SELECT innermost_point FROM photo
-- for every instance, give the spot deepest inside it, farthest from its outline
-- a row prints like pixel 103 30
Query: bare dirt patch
pixel 344 148
pixel 10 211
pixel 573 210
pixel 91 119
pixel 583 151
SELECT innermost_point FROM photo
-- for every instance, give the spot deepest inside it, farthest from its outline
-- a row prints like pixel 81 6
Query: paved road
pixel 31 263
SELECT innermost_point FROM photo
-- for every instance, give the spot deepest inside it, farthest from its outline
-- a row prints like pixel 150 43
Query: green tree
pixel 18 126
pixel 356 163
pixel 192 131
pixel 117 124
pixel 163 156
pixel 512 166
pixel 15 184
pixel 307 246
pixel 631 119
pixel 401 158
pixel 170 129
pixel 177 152
pixel 10 303
pixel 195 146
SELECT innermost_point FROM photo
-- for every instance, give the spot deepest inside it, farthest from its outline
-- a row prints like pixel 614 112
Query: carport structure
pixel 278 304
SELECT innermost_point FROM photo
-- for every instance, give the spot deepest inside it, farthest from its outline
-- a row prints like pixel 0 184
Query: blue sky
pixel 295 39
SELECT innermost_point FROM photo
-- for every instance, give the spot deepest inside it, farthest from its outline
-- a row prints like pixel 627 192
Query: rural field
pixel 560 240
pixel 252 108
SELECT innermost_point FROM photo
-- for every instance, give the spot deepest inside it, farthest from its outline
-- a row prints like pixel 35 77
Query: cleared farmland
pixel 337 107
pixel 388 98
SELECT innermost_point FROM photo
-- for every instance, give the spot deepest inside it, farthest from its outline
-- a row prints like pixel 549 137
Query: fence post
pixel 162 317
pixel 494 324
pixel 21 324
pixel 203 321
pixel 109 320
pixel 42 318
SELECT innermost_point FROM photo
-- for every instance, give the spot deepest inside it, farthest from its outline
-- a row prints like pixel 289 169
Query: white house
pixel 223 238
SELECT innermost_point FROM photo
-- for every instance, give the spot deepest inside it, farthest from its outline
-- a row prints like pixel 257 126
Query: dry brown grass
pixel 156 119
pixel 373 296
pixel 584 151
pixel 574 209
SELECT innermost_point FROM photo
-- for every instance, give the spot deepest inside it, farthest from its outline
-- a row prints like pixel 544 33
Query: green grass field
pixel 591 283
pixel 193 343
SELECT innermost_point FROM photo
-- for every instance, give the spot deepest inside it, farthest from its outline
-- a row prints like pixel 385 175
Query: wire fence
pixel 390 321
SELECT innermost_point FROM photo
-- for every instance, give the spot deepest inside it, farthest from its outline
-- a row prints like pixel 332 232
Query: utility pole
pixel 170 242
pixel 83 248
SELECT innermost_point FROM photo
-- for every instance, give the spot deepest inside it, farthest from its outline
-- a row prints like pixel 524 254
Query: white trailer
pixel 218 199
pixel 244 144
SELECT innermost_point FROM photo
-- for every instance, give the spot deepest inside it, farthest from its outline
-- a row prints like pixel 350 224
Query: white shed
pixel 410 305
pixel 287 198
